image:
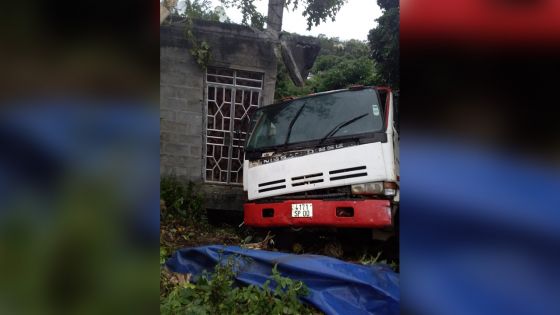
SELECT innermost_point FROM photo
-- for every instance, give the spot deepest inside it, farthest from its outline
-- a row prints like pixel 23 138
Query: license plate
pixel 302 210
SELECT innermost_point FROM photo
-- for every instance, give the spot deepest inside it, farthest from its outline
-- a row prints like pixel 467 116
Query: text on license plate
pixel 302 210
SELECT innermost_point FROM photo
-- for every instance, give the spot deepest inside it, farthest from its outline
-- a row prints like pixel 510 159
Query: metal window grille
pixel 231 97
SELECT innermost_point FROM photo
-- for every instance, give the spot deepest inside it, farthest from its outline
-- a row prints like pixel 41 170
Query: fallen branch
pixel 260 245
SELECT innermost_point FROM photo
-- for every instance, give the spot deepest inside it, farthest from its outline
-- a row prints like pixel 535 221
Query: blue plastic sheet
pixel 335 286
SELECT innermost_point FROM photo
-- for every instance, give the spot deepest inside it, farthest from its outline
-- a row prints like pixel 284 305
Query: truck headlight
pixel 389 188
pixel 367 188
pixel 375 188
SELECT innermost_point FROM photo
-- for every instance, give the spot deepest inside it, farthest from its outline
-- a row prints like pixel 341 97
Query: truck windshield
pixel 313 118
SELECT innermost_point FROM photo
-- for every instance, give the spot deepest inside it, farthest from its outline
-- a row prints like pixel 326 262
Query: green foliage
pixel 388 4
pixel 201 53
pixel 355 48
pixel 200 9
pixel 163 254
pixel 250 15
pixel 349 48
pixel 342 72
pixel 317 11
pixel 284 85
pixel 200 50
pixel 249 12
pixel 368 259
pixel 181 199
pixel 217 293
pixel 258 20
pixel 324 63
pixel 339 65
pixel 352 48
pixel 384 43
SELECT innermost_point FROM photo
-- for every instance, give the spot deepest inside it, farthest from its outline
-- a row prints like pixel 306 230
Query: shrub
pixel 217 293
pixel 181 199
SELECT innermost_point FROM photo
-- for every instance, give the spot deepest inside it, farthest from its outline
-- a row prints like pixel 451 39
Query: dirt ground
pixel 351 245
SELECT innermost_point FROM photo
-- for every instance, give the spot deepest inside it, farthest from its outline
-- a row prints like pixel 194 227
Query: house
pixel 205 108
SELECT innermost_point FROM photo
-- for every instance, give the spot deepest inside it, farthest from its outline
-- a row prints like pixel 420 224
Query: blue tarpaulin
pixel 335 286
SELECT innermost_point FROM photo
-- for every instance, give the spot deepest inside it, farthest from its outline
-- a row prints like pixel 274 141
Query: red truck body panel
pixel 366 214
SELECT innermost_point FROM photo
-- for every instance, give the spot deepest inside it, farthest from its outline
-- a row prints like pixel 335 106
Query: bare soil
pixel 351 245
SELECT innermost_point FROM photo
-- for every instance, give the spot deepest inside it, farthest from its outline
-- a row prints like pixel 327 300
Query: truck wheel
pixel 284 238
pixel 354 240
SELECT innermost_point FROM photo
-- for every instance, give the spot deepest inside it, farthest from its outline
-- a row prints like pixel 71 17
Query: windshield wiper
pixel 293 121
pixel 340 126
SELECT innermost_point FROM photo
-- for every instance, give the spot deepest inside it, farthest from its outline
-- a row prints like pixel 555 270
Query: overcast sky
pixel 353 21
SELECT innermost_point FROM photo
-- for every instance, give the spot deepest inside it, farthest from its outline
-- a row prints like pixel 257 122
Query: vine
pixel 198 9
pixel 200 50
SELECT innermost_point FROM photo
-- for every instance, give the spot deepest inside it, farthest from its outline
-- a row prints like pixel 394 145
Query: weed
pixel 371 260
pixel 163 254
pixel 217 293
pixel 183 200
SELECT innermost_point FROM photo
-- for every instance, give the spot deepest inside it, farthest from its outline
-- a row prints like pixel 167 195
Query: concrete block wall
pixel 181 114
pixel 182 107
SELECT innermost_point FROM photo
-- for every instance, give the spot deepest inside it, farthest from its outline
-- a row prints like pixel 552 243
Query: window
pixel 231 97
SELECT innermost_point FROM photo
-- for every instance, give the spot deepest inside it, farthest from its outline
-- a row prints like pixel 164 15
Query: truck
pixel 326 160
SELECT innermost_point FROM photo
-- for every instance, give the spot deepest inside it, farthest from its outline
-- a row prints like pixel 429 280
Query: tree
pixel 200 9
pixel 316 11
pixel 343 72
pixel 249 12
pixel 384 43
pixel 339 65
pixel 285 86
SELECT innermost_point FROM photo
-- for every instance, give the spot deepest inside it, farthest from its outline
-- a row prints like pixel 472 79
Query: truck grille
pixel 307 179
pixel 344 173
pixel 314 178
pixel 272 185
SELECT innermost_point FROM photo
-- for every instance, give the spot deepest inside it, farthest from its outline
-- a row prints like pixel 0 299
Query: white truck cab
pixel 324 160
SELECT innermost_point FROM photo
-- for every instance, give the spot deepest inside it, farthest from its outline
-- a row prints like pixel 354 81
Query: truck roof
pixel 351 88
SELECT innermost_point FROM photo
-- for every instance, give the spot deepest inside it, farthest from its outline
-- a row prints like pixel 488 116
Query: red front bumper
pixel 365 214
